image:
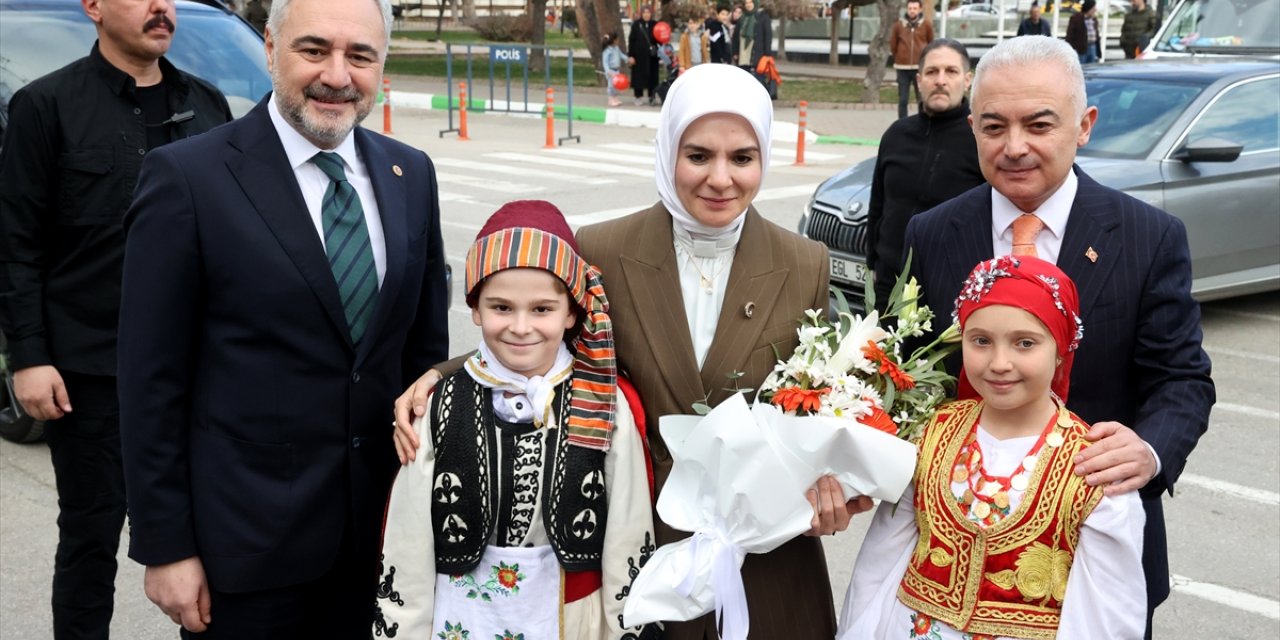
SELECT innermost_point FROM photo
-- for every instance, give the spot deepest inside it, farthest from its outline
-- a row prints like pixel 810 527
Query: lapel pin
pixel 395 168
pixel 1091 254
pixel 749 309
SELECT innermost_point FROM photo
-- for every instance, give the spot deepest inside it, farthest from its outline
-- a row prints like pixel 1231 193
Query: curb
pixel 782 131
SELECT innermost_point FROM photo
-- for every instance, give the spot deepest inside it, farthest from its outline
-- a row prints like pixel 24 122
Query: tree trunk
pixel 878 50
pixel 537 35
pixel 589 27
pixel 468 10
pixel 836 8
pixel 608 20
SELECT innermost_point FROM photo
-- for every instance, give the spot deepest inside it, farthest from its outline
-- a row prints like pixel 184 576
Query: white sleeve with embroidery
pixel 1106 591
pixel 877 573
pixel 406 588
pixel 628 535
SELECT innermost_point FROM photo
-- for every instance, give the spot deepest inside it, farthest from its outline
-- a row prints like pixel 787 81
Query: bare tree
pixel 537 34
pixel 589 27
pixel 837 7
pixel 784 11
pixel 878 50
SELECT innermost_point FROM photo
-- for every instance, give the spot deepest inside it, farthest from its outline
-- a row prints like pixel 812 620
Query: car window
pixel 211 45
pixel 1223 26
pixel 1133 114
pixel 1247 114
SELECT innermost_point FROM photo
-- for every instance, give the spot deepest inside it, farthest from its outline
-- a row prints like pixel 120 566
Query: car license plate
pixel 848 271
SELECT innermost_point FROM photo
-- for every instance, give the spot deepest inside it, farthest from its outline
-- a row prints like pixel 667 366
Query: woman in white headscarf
pixel 705 295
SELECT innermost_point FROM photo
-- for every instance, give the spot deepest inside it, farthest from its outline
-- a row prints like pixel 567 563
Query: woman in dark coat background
pixel 642 51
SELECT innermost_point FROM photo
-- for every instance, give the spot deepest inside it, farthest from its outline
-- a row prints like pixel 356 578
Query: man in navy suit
pixel 1140 377
pixel 282 273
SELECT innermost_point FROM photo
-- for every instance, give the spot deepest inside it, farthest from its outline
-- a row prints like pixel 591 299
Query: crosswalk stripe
pixel 486 183
pixel 606 155
pixel 1241 353
pixel 1227 596
pixel 1262 496
pixel 493 167
pixel 573 164
pixel 1244 409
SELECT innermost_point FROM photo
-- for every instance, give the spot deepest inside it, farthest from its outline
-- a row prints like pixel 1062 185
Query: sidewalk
pixel 827 123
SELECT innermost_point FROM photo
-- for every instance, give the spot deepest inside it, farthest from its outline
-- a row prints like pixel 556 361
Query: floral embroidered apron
pixel 513 594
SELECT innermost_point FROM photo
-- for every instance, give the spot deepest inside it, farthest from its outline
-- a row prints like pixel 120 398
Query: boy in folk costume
pixel 997 537
pixel 529 514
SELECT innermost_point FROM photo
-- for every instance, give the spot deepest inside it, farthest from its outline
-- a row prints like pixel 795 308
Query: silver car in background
pixel 1199 138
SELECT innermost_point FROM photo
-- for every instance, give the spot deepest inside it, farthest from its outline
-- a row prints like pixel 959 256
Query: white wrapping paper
pixel 738 483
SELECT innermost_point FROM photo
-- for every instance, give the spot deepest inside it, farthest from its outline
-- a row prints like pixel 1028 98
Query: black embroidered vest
pixel 465 502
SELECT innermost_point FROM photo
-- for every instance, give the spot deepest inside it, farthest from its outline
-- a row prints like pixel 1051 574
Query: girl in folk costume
pixel 997 537
pixel 526 513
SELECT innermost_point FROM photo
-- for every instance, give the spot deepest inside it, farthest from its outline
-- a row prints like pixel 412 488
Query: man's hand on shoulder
pixel 410 406
pixel 41 392
pixel 181 591
pixel 1118 459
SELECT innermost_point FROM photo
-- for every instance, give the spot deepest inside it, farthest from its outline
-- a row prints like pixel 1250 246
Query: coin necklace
pixel 988 495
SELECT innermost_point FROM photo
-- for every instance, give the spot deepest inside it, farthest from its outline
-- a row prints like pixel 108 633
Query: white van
pixel 1219 27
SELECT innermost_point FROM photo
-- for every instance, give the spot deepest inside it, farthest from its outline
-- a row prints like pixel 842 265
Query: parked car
pixel 982 9
pixel 1199 138
pixel 212 42
pixel 1219 27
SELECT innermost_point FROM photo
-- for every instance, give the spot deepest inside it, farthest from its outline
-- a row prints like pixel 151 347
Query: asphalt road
pixel 1224 520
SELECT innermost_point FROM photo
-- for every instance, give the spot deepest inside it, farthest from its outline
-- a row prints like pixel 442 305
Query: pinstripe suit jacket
pixel 1140 362
pixel 780 275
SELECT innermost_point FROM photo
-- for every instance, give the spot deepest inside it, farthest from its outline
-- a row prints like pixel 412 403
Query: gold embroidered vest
pixel 1010 578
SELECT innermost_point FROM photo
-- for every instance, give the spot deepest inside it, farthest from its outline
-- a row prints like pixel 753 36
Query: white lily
pixel 849 355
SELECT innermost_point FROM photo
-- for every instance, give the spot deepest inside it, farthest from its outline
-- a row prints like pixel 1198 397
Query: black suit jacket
pixel 1140 362
pixel 253 429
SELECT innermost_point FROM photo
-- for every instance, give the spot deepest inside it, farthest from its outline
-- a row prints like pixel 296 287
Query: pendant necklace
pixel 707 282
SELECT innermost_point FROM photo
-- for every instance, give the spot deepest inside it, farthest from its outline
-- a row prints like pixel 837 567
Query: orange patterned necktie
pixel 1025 229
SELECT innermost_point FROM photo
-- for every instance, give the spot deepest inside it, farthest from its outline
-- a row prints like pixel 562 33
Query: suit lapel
pixel 651 275
pixel 1089 231
pixel 263 172
pixel 389 190
pixel 972 243
pixel 752 280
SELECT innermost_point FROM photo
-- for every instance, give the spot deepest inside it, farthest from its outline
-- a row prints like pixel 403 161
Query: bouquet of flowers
pixel 739 473
pixel 855 369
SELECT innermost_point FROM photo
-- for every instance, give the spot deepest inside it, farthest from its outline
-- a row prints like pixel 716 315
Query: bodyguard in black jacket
pixel 924 160
pixel 72 153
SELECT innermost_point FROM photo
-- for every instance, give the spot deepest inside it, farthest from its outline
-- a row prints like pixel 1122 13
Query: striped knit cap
pixel 533 233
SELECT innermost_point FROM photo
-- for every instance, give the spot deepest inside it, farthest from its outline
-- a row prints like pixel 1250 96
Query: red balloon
pixel 662 32
pixel 620 82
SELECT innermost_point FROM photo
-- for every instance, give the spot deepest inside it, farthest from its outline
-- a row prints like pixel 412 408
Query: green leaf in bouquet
pixel 701 408
pixel 888 395
pixel 895 303
pixel 734 375
pixel 868 291
pixel 842 303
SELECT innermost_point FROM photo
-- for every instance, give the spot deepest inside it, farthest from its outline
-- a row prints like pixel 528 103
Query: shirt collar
pixel 1054 212
pixel 119 81
pixel 298 149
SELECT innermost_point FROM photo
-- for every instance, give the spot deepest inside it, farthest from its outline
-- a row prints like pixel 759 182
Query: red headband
pixel 1035 286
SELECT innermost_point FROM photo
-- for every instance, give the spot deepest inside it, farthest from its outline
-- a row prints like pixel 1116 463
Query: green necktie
pixel 346 241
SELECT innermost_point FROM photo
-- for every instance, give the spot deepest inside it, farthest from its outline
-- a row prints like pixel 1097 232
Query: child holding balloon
pixel 613 59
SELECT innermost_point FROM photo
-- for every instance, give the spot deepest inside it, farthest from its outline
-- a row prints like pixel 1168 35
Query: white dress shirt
pixel 1054 213
pixel 313 182
pixel 695 260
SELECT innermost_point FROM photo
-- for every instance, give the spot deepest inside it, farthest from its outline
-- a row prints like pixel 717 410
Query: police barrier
pixel 507 56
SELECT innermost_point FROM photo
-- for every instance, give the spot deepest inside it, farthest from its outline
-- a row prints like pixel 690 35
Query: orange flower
pixel 508 576
pixel 923 624
pixel 900 378
pixel 793 398
pixel 880 421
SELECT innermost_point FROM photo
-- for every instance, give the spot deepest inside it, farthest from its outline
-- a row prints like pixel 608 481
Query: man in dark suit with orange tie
pixel 1140 376
pixel 281 275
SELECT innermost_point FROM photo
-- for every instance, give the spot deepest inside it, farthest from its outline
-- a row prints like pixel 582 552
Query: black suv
pixel 40 36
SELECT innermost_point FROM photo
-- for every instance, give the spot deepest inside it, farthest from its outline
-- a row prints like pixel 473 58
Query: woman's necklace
pixel 987 496
pixel 707 282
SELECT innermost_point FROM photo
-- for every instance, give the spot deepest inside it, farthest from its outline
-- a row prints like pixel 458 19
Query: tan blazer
pixel 776 275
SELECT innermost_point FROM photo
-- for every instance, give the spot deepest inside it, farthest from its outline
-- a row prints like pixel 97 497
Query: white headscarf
pixel 702 90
